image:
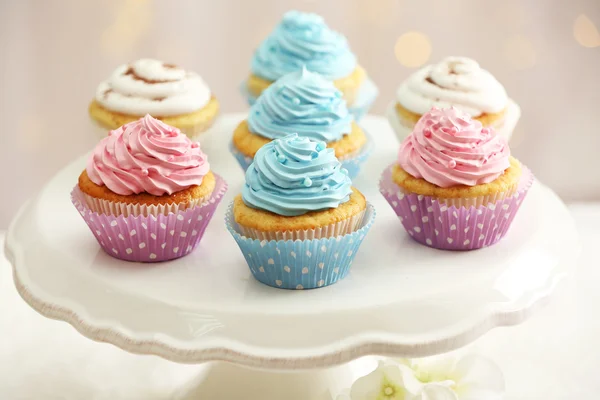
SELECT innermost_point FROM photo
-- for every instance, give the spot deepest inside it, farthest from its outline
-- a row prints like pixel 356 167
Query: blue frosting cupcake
pixel 293 176
pixel 307 104
pixel 298 221
pixel 304 40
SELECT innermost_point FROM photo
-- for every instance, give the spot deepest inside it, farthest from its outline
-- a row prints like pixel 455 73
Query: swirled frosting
pixel 304 103
pixel 153 87
pixel 303 39
pixel 448 148
pixel 456 81
pixel 147 156
pixel 295 175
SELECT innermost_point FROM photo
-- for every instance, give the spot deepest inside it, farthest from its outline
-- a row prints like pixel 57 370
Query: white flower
pixel 387 382
pixel 436 378
pixel 471 377
pixel 345 395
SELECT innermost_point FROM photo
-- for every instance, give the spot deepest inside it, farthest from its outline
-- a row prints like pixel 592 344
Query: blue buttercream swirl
pixel 303 39
pixel 302 102
pixel 295 175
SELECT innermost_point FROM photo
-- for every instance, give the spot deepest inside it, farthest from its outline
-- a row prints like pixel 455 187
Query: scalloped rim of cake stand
pixel 119 337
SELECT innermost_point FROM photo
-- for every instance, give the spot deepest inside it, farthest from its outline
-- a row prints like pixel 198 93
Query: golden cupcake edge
pixel 248 143
pixel 505 183
pixel 191 123
pixel 409 118
pixel 348 85
pixel 266 221
pixel 193 194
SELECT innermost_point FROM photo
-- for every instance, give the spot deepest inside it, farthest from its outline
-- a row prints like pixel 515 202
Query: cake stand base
pixel 228 381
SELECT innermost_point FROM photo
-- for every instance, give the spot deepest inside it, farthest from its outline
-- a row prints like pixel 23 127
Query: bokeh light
pixel 585 32
pixel 520 52
pixel 413 49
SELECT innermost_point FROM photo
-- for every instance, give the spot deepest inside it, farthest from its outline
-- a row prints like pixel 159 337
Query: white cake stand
pixel 400 299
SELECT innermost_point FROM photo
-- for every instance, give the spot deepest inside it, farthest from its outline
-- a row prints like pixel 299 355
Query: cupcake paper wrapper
pixel 300 264
pixel 107 207
pixel 341 228
pixel 435 224
pixel 150 238
pixel 352 163
pixel 506 128
pixel 366 96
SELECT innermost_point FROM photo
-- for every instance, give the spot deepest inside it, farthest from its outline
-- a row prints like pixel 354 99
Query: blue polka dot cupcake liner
pixel 352 163
pixel 367 94
pixel 439 224
pixel 301 264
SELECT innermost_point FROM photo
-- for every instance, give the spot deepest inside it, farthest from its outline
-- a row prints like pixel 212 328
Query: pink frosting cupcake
pixel 455 185
pixel 147 192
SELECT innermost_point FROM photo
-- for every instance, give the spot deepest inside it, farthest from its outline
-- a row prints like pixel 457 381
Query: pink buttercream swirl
pixel 149 156
pixel 448 148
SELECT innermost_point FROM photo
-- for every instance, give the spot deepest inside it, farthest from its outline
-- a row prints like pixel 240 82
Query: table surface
pixel 553 356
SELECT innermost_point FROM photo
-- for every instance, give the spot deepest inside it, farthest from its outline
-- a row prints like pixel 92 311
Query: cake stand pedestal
pixel 400 298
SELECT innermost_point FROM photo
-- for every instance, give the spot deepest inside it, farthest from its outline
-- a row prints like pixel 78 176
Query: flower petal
pixel 368 387
pixel 435 369
pixel 398 378
pixel 435 391
pixel 344 395
pixel 476 375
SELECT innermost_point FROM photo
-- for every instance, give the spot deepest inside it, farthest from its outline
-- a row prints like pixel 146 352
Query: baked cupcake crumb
pixel 266 221
pixel 507 182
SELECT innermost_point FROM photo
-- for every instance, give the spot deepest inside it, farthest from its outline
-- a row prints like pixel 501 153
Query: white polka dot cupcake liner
pixel 365 98
pixel 352 163
pixel 440 225
pixel 150 237
pixel 301 264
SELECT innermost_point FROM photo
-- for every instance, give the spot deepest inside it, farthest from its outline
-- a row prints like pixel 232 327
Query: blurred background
pixel 54 53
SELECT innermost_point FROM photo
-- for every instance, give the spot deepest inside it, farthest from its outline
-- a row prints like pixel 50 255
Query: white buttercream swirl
pixel 152 87
pixel 455 81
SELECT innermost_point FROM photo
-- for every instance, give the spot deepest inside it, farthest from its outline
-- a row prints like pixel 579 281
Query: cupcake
pixel 455 82
pixel 305 103
pixel 304 40
pixel 298 221
pixel 177 97
pixel 147 192
pixel 455 185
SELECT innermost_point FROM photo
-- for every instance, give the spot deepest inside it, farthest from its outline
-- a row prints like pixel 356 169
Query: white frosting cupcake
pixel 165 91
pixel 153 87
pixel 454 82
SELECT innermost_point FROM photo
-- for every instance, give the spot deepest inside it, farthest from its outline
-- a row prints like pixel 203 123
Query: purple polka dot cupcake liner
pixel 152 237
pixel 352 163
pixel 365 97
pixel 436 224
pixel 300 264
